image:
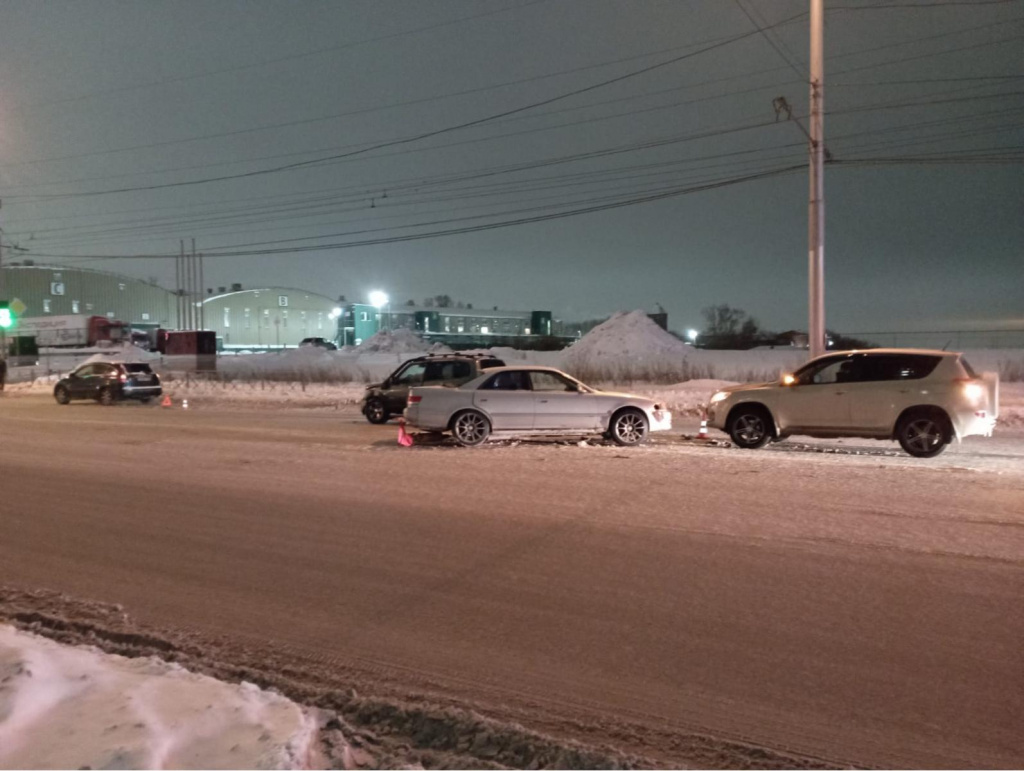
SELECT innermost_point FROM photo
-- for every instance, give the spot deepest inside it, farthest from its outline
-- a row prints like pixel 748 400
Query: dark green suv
pixel 385 399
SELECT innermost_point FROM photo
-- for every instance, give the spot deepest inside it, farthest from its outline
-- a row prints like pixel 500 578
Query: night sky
pixel 925 198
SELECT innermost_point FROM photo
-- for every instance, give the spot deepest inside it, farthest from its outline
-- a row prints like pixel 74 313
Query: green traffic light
pixel 6 318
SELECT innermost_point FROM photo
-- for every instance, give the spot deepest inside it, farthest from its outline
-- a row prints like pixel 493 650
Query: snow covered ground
pixel 73 707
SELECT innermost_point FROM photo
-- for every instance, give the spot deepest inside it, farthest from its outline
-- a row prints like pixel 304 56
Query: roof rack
pixel 456 356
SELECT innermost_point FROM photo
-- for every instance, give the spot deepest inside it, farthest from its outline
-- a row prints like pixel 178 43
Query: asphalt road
pixel 858 606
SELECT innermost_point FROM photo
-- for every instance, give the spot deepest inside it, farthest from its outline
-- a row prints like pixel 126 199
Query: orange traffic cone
pixel 166 402
pixel 703 433
pixel 403 438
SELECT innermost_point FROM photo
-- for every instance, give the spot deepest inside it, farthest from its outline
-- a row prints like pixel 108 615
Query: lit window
pixel 46 306
pixel 302 317
pixel 88 306
pixel 248 320
pixel 110 314
pixel 284 319
pixel 74 306
pixel 364 316
pixel 145 317
pixel 484 330
pixel 266 318
pixel 227 317
pixel 121 287
pixel 320 320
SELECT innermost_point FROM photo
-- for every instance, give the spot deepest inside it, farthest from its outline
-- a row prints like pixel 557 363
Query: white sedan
pixel 530 401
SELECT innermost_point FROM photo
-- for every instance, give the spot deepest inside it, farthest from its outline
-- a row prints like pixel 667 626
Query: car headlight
pixel 719 397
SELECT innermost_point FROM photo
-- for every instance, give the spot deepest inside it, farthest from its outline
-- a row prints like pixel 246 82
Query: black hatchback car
pixel 109 382
pixel 385 399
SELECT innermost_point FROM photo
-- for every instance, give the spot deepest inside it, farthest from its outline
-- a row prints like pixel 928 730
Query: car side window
pixel 448 372
pixel 547 381
pixel 837 370
pixel 410 376
pixel 87 371
pixel 508 381
pixel 900 366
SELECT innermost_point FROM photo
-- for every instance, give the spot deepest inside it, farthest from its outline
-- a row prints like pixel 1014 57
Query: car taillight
pixel 124 378
pixel 415 399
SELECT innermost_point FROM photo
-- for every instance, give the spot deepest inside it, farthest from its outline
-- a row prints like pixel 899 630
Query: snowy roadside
pixel 73 707
pixel 686 399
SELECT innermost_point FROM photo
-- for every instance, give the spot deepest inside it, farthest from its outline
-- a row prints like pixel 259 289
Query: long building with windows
pixel 250 319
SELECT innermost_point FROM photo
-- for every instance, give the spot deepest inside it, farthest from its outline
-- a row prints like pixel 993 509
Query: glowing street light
pixel 378 300
pixel 692 334
pixel 335 313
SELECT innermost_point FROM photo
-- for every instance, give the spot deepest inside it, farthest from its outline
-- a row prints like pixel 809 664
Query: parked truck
pixel 71 331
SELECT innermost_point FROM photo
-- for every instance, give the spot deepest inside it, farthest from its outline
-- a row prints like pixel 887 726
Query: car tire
pixel 749 427
pixel 62 395
pixel 470 428
pixel 629 428
pixel 106 397
pixel 924 434
pixel 376 412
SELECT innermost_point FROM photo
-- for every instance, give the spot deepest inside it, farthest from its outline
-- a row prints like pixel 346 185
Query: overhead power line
pixel 426 134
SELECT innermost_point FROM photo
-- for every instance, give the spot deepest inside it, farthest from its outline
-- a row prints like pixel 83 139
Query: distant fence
pixel 955 340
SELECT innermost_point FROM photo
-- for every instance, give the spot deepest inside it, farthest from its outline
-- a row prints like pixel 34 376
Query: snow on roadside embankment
pixel 71 707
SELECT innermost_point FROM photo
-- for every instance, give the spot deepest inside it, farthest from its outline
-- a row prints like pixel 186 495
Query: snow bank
pixel 70 707
pixel 626 337
pixel 399 341
pixel 129 353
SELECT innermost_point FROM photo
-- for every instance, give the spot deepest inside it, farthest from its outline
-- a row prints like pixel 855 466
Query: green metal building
pixel 40 290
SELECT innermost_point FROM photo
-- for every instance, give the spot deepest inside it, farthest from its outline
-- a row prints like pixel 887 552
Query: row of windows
pixel 76 307
pixel 864 368
pixel 282 319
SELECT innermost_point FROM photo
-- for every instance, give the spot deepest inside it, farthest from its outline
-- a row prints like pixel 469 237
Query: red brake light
pixel 415 399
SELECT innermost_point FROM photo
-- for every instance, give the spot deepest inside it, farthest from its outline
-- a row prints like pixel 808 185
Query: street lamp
pixel 378 300
pixel 692 334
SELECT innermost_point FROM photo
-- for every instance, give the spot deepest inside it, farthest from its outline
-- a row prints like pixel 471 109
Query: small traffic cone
pixel 166 402
pixel 703 433
pixel 403 438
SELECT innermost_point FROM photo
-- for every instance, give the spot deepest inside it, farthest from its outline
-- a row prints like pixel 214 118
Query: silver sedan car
pixel 532 401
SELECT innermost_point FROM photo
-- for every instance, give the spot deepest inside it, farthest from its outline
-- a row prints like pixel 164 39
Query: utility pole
pixel 179 272
pixel 816 202
pixel 193 315
pixel 202 295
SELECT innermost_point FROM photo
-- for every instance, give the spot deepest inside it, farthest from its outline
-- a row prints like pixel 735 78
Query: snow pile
pixel 628 346
pixel 68 707
pixel 398 341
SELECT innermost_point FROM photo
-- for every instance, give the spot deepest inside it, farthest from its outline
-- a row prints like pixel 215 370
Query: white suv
pixel 923 399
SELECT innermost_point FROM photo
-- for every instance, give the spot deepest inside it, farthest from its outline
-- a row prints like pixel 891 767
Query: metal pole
pixel 192 294
pixel 202 294
pixel 179 266
pixel 816 203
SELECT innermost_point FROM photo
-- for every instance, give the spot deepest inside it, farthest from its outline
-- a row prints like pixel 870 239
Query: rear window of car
pixel 968 368
pixel 488 363
pixel 898 366
pixel 136 369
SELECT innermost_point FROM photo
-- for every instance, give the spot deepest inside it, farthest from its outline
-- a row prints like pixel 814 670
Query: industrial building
pixel 269 317
pixel 250 319
pixel 39 290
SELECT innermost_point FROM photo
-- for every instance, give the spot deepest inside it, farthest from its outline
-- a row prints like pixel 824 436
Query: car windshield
pixel 137 368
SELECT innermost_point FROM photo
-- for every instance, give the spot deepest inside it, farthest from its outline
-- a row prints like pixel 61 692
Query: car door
pixel 396 394
pixel 559 404
pixel 819 399
pixel 508 399
pixel 885 387
pixel 83 382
